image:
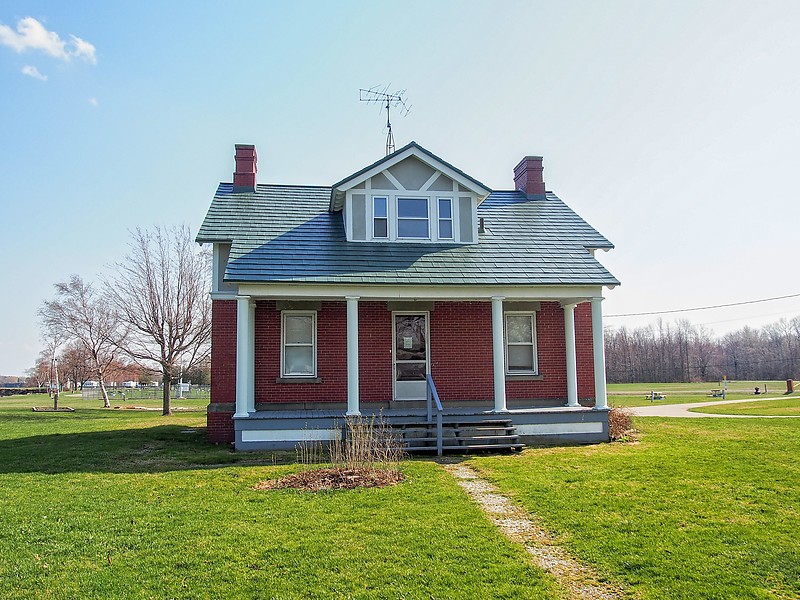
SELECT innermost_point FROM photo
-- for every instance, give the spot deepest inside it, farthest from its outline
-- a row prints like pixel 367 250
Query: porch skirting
pixel 284 429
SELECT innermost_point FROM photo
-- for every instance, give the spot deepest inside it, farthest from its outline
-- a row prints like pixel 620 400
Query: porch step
pixel 462 435
pixel 464 449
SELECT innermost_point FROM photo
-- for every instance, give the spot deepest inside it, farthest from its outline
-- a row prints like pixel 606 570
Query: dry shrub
pixel 620 423
pixel 368 443
pixel 368 455
pixel 334 478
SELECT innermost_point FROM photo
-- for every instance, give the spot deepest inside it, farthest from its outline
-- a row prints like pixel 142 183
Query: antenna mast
pixel 386 100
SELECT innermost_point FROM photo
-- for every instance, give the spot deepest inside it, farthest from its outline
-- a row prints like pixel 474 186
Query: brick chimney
pixel 244 177
pixel 528 176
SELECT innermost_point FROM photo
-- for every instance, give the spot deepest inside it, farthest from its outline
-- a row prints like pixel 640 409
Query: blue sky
pixel 672 127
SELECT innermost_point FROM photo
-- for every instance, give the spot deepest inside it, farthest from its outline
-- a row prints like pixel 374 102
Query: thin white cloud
pixel 33 72
pixel 83 49
pixel 93 101
pixel 32 35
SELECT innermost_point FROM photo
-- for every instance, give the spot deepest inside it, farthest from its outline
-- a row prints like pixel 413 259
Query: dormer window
pixel 412 218
pixel 445 218
pixel 409 197
pixel 380 217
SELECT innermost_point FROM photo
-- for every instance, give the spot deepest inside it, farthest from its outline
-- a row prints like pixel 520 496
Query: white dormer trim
pixel 340 190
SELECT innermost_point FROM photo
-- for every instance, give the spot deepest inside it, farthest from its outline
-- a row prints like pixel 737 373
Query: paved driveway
pixel 682 410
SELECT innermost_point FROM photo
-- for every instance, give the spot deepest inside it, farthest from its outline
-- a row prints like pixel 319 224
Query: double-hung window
pixel 299 343
pixel 380 217
pixel 445 218
pixel 520 330
pixel 412 218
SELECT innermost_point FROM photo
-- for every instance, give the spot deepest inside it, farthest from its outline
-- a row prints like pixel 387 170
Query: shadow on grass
pixel 155 449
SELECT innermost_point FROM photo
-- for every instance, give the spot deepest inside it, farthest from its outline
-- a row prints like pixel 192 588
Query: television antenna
pixel 382 96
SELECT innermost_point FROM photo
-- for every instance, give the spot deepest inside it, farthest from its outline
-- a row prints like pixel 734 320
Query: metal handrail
pixel 432 394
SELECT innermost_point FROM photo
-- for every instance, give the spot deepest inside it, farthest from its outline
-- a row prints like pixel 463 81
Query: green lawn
pixel 789 406
pixel 130 504
pixel 633 394
pixel 695 509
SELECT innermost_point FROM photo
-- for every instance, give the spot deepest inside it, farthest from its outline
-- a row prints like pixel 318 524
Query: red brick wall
pixel 223 351
pixel 223 369
pixel 461 350
pixel 219 427
pixel 375 337
pixel 331 357
pixel 374 350
pixel 461 353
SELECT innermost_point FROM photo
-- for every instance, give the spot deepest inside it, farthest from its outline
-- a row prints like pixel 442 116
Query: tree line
pixel 153 310
pixel 683 352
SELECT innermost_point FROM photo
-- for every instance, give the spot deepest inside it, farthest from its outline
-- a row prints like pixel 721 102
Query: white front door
pixel 410 355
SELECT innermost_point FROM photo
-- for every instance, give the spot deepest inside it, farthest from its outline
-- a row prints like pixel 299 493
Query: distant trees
pixel 155 310
pixel 161 294
pixel 79 313
pixel 75 364
pixel 685 352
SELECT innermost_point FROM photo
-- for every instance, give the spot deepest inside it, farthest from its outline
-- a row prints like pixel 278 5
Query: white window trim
pixel 303 313
pixel 532 316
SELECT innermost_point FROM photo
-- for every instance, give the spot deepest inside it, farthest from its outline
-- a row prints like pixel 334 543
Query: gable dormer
pixel 410 196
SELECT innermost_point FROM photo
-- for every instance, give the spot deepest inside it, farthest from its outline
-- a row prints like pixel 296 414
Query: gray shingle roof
pixel 285 233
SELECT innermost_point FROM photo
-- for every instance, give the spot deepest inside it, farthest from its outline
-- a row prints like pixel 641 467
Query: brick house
pixel 405 284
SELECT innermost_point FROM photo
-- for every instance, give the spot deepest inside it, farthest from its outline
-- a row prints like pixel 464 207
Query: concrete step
pixel 466 449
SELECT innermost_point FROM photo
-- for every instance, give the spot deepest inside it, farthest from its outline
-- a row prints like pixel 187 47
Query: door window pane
pixel 410 337
pixel 411 372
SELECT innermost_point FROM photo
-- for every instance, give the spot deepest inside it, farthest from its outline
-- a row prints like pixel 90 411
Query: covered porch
pixel 456 358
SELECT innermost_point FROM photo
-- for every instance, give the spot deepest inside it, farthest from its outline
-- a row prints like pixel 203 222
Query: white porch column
pixel 353 407
pixel 572 363
pixel 245 356
pixel 498 355
pixel 599 352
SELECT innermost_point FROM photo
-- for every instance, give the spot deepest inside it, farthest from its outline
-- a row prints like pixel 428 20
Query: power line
pixel 681 310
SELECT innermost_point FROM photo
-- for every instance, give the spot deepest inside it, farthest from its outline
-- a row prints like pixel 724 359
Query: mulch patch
pixel 316 480
pixel 51 409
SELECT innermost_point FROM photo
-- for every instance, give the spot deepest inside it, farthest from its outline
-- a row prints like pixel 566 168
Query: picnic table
pixel 654 396
pixel 717 393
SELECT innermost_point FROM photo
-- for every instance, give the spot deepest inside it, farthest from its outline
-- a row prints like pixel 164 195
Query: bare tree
pixel 161 292
pixel 79 313
pixel 76 363
pixel 40 372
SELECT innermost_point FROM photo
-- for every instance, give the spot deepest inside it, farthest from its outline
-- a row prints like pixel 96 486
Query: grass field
pixel 785 407
pixel 633 394
pixel 706 508
pixel 130 504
